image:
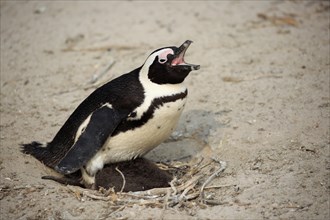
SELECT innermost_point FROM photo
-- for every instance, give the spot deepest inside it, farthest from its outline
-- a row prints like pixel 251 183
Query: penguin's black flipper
pixel 102 123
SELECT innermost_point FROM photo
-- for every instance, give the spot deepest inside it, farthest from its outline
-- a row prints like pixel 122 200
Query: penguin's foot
pixel 88 180
pixel 89 186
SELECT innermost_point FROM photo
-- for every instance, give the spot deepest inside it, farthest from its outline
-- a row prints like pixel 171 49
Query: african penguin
pixel 123 119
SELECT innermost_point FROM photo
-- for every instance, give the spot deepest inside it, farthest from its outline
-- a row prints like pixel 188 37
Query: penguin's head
pixel 167 66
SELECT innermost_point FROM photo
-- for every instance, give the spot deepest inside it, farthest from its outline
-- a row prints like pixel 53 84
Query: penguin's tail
pixel 39 151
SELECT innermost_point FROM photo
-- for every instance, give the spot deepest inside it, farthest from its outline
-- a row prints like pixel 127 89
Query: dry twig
pixel 96 197
pixel 215 174
pixel 97 76
pixel 124 180
pixel 165 204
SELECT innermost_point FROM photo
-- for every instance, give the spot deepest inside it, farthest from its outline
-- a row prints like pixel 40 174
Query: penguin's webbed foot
pixel 87 179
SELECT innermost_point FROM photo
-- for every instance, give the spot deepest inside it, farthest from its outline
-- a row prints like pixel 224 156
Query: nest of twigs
pixel 189 187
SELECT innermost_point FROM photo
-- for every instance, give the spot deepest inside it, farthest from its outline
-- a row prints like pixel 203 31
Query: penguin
pixel 122 120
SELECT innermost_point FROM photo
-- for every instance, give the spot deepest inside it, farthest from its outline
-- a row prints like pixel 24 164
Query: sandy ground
pixel 260 100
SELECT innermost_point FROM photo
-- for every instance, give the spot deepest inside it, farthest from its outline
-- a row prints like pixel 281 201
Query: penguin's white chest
pixel 136 142
pixel 140 140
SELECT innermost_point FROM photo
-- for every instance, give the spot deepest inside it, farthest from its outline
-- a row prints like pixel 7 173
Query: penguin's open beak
pixel 179 56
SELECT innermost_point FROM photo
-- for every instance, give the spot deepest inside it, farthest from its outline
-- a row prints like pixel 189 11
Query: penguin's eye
pixel 162 60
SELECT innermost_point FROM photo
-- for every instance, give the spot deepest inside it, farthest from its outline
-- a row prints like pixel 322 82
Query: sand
pixel 260 102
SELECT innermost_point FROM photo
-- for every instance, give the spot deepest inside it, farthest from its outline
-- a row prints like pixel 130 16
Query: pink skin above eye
pixel 164 54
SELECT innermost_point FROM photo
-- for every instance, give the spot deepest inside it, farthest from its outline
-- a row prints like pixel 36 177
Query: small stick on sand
pixel 96 197
pixel 97 76
pixel 172 185
pixel 168 193
pixel 223 166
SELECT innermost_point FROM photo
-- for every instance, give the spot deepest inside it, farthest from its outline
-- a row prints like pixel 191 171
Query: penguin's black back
pixel 124 93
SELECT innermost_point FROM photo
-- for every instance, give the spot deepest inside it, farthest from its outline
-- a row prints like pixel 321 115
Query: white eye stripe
pixel 162 54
